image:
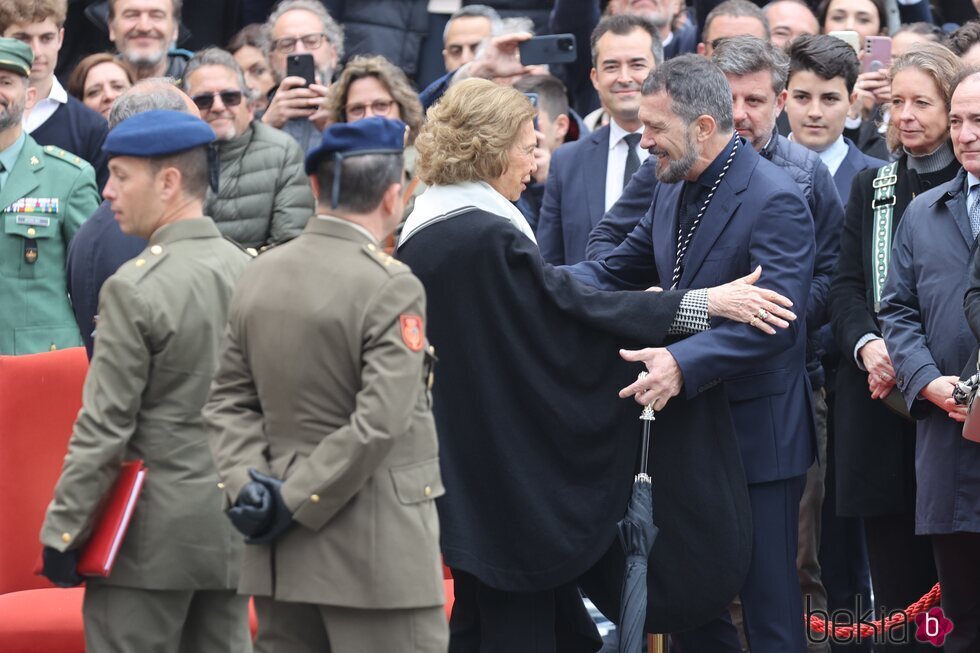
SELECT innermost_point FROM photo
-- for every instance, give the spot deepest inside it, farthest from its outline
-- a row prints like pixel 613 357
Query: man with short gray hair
pixel 144 32
pixel 263 196
pixel 732 18
pixel 99 247
pixel 301 27
pixel 722 211
pixel 757 72
pixel 467 28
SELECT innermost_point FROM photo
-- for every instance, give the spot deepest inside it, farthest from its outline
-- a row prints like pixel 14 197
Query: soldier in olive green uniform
pixel 162 315
pixel 320 422
pixel 45 194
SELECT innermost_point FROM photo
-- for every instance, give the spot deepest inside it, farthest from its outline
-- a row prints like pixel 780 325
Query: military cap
pixel 368 136
pixel 15 56
pixel 157 133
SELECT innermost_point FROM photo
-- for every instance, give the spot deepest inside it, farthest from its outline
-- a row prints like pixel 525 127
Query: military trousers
pixel 132 620
pixel 286 627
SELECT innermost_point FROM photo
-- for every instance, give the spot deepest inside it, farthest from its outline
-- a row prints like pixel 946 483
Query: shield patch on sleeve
pixel 412 331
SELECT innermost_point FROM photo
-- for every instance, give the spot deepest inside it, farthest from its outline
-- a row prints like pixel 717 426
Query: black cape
pixel 538 452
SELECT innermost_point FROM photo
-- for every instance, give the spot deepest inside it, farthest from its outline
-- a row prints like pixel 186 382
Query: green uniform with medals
pixel 45 194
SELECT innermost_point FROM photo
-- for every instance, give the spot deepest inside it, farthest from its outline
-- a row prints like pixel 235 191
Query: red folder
pixel 99 553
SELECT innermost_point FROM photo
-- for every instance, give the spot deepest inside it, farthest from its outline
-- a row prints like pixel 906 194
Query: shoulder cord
pixel 684 240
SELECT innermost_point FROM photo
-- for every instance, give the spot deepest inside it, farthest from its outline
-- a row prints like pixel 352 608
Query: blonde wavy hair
pixel 469 132
pixel 936 61
pixel 390 76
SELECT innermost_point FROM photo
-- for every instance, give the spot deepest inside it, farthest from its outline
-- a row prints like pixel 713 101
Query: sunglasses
pixel 205 101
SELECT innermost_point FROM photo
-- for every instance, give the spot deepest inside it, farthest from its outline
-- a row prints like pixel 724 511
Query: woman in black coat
pixel 875 462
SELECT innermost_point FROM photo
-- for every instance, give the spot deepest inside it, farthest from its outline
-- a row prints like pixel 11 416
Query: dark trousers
pixel 843 553
pixel 488 620
pixel 771 605
pixel 902 568
pixel 958 563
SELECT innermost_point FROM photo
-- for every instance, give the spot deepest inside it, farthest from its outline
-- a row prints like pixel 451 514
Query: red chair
pixel 40 395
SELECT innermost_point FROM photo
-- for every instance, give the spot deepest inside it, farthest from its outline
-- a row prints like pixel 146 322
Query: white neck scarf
pixel 444 202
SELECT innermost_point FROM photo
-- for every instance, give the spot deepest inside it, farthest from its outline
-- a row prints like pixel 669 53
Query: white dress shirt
pixel 834 155
pixel 616 163
pixel 45 108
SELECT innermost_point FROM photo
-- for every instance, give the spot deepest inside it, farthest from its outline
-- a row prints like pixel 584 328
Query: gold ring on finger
pixel 753 321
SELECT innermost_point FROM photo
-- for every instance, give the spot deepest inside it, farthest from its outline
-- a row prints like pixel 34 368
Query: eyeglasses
pixel 378 108
pixel 205 101
pixel 288 44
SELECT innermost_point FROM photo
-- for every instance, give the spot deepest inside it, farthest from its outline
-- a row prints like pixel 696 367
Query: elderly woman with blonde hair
pixel 537 452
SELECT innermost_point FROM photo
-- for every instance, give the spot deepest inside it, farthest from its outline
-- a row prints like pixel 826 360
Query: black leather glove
pixel 282 518
pixel 59 567
pixel 252 512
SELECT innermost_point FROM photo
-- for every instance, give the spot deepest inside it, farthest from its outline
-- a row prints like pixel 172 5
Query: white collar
pixel 616 133
pixel 971 181
pixel 58 93
pixel 440 201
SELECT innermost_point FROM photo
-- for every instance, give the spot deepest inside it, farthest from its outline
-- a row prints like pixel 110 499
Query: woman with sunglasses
pixel 263 195
pixel 373 86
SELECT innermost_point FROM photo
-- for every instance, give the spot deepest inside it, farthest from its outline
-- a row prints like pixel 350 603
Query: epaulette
pixel 251 251
pixel 385 260
pixel 67 157
pixel 148 259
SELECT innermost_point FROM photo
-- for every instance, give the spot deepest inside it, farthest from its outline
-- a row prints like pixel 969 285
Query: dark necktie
pixel 632 158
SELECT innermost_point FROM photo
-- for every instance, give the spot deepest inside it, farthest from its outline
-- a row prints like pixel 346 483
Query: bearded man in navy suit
pixel 719 212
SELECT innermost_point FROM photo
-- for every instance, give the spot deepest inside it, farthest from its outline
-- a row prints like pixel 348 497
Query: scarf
pixel 443 202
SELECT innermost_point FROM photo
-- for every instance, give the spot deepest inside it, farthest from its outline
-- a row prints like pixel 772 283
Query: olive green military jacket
pixel 46 197
pixel 161 318
pixel 322 383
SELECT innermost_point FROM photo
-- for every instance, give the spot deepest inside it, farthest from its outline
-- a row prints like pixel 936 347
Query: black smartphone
pixel 553 48
pixel 533 99
pixel 301 65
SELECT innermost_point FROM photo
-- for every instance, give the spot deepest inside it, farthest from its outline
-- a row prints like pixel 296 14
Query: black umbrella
pixel 637 533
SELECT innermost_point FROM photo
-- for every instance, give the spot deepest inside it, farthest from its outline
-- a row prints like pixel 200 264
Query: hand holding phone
pixel 553 48
pixel 877 54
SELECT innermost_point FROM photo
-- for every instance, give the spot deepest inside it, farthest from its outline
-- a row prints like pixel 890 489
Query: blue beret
pixel 157 133
pixel 372 135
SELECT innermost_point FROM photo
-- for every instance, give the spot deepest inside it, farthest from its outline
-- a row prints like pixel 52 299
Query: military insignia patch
pixel 412 331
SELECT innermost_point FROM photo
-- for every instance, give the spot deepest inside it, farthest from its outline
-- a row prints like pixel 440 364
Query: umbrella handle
pixel 648 414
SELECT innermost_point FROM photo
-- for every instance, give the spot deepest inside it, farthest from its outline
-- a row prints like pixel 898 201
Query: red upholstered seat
pixel 42 621
pixel 40 395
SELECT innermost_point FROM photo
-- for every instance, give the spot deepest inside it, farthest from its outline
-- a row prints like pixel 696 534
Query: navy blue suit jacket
pixel 853 163
pixel 758 216
pixel 94 254
pixel 623 216
pixel 574 198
